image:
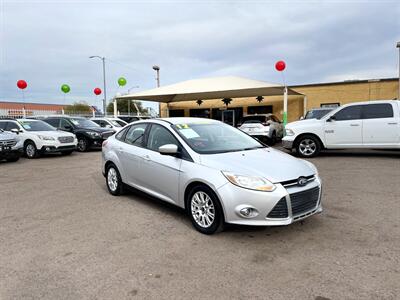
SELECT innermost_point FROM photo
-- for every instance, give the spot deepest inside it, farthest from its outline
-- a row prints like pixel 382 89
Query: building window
pixel 200 113
pixel 176 112
pixel 334 104
pixel 263 109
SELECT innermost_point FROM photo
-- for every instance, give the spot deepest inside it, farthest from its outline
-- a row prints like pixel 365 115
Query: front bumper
pixel 13 152
pixel 234 199
pixel 287 142
pixel 52 149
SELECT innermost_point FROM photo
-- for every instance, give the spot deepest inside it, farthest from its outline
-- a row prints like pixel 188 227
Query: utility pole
pixel 398 46
pixel 104 82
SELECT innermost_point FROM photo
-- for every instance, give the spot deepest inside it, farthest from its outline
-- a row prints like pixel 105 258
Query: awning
pixel 210 88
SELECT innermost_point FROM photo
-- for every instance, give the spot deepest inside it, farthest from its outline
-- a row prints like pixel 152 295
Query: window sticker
pixel 26 125
pixel 189 133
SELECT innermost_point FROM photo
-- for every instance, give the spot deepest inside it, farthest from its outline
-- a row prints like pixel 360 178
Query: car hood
pixel 52 133
pixel 305 122
pixel 274 165
pixel 96 129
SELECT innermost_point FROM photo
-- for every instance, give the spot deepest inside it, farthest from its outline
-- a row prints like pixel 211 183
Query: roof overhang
pixel 210 88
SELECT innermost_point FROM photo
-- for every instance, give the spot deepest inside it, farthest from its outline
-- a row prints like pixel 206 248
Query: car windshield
pixel 82 122
pixel 122 123
pixel 317 114
pixel 211 138
pixel 36 125
pixel 115 123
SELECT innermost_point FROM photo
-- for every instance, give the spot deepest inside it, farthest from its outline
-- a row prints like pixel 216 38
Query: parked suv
pixel 11 147
pixel 373 124
pixel 88 133
pixel 265 127
pixel 39 137
pixel 111 123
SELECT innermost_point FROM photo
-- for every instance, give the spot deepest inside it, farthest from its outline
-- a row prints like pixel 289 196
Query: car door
pixel 344 128
pixel 380 127
pixel 160 173
pixel 131 152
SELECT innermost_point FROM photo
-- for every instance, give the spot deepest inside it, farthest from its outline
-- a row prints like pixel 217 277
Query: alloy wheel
pixel 112 179
pixel 82 145
pixel 307 147
pixel 30 150
pixel 202 209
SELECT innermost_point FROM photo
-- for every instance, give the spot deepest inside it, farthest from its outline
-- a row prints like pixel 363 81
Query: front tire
pixel 83 144
pixel 31 150
pixel 308 146
pixel 113 180
pixel 205 210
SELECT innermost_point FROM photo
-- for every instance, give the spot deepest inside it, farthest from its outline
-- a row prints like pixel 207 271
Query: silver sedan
pixel 217 173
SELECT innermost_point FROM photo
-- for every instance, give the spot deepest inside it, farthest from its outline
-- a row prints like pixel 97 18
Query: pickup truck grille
pixel 9 143
pixel 66 139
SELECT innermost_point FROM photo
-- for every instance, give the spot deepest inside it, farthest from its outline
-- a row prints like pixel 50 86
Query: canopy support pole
pixel 285 105
pixel 304 105
pixel 115 107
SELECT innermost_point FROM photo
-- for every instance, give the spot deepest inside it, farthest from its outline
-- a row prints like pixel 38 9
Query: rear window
pixel 377 111
pixel 253 119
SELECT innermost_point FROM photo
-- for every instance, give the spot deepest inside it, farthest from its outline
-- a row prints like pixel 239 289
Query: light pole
pixel 398 46
pixel 157 69
pixel 129 101
pixel 104 82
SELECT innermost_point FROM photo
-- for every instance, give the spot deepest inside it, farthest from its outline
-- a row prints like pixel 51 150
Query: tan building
pixel 317 95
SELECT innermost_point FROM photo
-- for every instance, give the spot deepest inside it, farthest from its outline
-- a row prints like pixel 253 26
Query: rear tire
pixel 308 146
pixel 113 180
pixel 30 150
pixel 205 210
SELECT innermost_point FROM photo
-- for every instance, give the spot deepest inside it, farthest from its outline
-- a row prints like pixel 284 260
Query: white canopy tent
pixel 212 88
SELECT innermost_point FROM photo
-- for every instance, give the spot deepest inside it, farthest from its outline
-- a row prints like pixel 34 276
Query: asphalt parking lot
pixel 62 236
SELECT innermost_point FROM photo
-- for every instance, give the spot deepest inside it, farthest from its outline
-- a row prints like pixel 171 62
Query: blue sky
pixel 48 43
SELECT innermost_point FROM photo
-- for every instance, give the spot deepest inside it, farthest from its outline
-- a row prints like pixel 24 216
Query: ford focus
pixel 216 172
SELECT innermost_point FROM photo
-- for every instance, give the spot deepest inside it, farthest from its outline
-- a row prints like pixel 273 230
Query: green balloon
pixel 121 81
pixel 65 88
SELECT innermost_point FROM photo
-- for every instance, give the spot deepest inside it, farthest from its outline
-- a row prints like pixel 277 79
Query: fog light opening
pixel 248 212
pixel 47 149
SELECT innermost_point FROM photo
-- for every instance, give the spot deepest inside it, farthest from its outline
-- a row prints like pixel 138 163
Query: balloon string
pixel 283 78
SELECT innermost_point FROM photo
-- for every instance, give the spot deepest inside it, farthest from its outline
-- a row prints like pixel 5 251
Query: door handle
pixel 146 157
pixel 392 123
pixel 354 125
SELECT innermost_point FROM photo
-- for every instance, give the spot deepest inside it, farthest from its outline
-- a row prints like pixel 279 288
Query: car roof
pixel 183 120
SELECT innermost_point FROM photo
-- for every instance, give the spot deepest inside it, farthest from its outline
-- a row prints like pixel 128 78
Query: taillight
pixel 105 143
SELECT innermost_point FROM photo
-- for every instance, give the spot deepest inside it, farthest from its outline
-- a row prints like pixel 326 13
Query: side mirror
pixel 169 149
pixel 68 127
pixel 15 130
pixel 108 126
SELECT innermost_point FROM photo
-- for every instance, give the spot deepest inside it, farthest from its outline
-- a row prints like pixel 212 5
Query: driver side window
pixel 160 136
pixel 349 113
pixel 65 124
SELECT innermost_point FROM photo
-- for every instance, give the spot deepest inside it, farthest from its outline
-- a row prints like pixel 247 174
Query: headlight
pixel 289 132
pixel 250 182
pixel 312 166
pixel 93 134
pixel 46 138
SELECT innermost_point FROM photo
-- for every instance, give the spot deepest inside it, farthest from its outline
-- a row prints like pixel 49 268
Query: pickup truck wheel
pixel 308 146
pixel 31 150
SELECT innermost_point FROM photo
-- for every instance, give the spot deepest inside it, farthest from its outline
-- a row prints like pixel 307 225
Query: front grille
pixel 280 210
pixel 107 134
pixel 66 139
pixel 304 201
pixel 10 143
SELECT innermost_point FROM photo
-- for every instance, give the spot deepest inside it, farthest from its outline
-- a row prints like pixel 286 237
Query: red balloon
pixel 22 84
pixel 97 91
pixel 280 65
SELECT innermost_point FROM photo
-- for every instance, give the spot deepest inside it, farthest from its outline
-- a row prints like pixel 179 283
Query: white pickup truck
pixel 372 124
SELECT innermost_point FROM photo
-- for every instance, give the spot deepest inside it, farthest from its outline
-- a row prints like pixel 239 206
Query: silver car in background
pixel 268 128
pixel 217 173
